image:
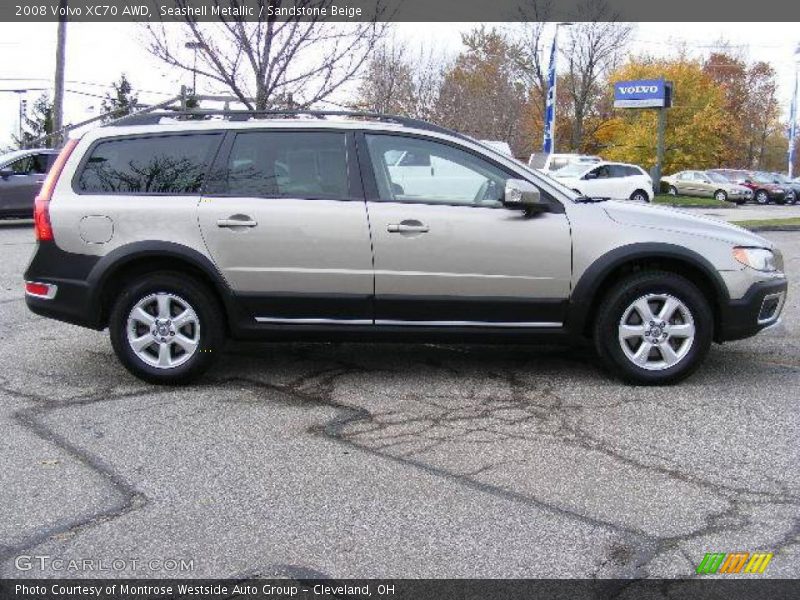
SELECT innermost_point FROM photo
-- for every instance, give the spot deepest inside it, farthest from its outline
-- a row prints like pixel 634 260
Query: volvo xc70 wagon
pixel 177 232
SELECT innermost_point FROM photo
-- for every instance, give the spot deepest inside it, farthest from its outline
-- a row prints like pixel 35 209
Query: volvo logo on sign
pixel 643 93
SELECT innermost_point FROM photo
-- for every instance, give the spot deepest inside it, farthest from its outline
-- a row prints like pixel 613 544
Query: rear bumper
pixel 758 309
pixel 72 301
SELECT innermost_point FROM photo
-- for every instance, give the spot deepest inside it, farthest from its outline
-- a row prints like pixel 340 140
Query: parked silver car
pixel 176 234
pixel 707 184
pixel 21 175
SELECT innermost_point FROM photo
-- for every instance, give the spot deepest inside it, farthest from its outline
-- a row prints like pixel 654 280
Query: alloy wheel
pixel 656 331
pixel 163 330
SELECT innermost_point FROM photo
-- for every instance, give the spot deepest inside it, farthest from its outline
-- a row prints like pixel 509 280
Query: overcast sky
pixel 98 53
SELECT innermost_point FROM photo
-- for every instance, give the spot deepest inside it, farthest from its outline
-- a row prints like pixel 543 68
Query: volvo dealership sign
pixel 643 93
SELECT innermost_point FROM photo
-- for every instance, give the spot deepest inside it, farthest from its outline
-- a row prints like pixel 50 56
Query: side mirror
pixel 523 195
pixel 6 173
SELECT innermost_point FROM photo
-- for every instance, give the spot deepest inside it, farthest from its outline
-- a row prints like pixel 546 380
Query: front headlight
pixel 759 259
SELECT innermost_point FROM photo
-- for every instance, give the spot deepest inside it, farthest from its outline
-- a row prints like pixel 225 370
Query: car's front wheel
pixel 166 328
pixel 721 196
pixel 762 197
pixel 672 190
pixel 654 328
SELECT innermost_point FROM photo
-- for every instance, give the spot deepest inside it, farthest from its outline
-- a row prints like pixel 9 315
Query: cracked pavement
pixel 360 460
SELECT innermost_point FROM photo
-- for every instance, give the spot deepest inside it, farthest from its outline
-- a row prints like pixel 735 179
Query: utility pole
pixel 793 111
pixel 58 96
pixel 194 46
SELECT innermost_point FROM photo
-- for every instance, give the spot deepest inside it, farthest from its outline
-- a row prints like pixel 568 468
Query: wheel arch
pixel 139 258
pixel 617 264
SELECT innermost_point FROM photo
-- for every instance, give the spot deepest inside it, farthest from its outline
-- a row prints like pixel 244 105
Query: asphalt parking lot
pixel 354 460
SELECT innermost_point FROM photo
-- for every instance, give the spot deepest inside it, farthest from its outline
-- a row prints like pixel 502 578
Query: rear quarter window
pixel 166 164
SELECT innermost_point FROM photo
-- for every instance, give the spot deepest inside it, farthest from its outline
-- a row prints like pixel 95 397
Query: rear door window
pixel 287 164
pixel 165 164
pixel 22 166
pixel 41 164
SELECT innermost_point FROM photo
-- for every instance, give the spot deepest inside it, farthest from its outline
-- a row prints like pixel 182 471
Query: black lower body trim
pixel 72 302
pixel 465 309
pixel 740 318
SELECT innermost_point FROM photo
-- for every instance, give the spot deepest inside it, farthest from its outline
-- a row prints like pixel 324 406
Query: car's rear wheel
pixel 721 195
pixel 654 328
pixel 166 328
pixel 762 197
pixel 640 196
pixel 791 198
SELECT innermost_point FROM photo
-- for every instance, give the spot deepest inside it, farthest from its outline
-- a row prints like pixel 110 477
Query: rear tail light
pixel 41 206
pixel 41 290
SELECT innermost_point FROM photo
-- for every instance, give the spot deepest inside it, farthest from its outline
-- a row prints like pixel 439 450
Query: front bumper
pixel 758 309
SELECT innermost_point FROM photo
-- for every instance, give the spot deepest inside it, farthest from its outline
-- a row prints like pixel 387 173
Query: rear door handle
pixel 407 227
pixel 237 221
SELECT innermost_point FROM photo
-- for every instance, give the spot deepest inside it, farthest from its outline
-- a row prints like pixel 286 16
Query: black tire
pixel 761 197
pixel 672 190
pixel 640 196
pixel 210 333
pixel 613 308
pixel 791 199
pixel 721 195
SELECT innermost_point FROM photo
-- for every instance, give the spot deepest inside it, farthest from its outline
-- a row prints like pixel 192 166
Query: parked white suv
pixel 178 233
pixel 547 163
pixel 616 181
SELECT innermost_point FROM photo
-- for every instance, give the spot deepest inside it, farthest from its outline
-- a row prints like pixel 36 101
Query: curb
pixel 770 227
pixel 697 206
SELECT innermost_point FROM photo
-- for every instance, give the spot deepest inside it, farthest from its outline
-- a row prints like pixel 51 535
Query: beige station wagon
pixel 706 184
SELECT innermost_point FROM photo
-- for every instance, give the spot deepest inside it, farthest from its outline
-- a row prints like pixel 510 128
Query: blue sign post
pixel 648 93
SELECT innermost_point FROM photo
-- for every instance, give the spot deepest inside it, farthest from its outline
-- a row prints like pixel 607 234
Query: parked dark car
pixel 21 175
pixel 765 190
pixel 793 185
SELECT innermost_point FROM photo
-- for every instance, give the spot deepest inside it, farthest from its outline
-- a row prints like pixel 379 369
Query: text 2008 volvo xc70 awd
pixel 177 233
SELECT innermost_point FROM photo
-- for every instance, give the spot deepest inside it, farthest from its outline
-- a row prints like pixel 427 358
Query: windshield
pixel 781 178
pixel 763 178
pixel 10 157
pixel 572 170
pixel 717 178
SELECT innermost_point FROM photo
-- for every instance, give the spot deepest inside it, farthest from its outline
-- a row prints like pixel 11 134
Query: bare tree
pixel 388 85
pixel 275 61
pixel 531 56
pixel 481 94
pixel 399 81
pixel 594 49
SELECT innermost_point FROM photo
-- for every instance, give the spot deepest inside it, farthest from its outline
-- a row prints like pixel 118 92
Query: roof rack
pixel 153 118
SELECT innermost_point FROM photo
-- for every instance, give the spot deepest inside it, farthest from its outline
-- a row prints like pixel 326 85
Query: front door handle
pixel 407 227
pixel 237 221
